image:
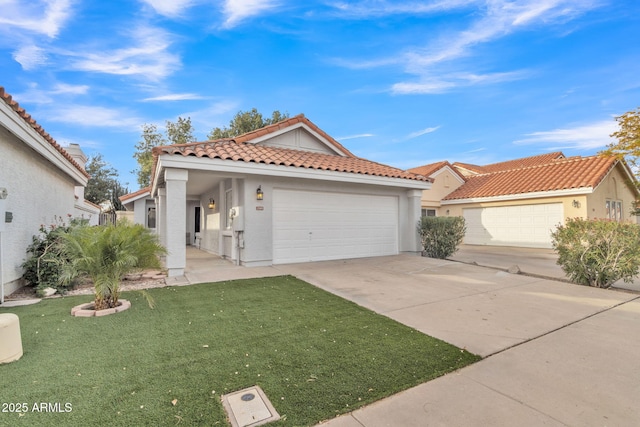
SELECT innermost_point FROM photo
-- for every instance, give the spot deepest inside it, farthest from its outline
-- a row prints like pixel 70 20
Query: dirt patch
pixel 146 280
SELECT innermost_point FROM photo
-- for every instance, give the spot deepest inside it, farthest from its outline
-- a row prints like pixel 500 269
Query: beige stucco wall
pixel 445 181
pixel 615 186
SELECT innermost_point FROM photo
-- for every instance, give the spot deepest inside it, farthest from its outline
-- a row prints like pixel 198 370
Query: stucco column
pixel 161 215
pixel 176 220
pixel 413 216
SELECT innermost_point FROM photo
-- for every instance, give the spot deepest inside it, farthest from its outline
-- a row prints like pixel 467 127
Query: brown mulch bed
pixel 146 280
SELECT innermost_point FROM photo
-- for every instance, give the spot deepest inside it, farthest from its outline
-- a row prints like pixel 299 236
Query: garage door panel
pixel 524 225
pixel 326 225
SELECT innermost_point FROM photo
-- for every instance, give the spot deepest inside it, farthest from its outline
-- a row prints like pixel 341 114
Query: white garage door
pixel 316 226
pixel 525 225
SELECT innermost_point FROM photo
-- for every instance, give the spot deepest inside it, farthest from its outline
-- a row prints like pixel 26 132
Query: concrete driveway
pixel 555 353
pixel 542 262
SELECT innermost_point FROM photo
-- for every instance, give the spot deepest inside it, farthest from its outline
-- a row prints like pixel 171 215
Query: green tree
pixel 628 136
pixel 103 184
pixel 106 254
pixel 246 121
pixel 628 145
pixel 178 132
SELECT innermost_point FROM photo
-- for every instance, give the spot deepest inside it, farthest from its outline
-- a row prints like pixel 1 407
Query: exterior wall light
pixel 212 204
pixel 576 204
pixel 259 193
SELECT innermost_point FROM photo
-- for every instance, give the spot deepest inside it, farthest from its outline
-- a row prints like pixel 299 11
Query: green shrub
pixel 106 253
pixel 43 265
pixel 598 252
pixel 441 236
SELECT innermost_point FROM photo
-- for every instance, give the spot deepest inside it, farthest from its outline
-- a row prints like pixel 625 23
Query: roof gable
pixel 297 133
pixel 559 174
pixel 433 168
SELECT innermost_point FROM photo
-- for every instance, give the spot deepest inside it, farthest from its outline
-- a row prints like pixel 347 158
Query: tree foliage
pixel 628 136
pixel 178 132
pixel 246 121
pixel 103 184
pixel 598 252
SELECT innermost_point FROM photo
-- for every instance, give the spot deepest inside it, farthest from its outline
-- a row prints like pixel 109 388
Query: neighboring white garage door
pixel 315 226
pixel 525 225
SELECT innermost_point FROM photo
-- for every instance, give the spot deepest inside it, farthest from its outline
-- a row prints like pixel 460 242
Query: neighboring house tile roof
pixel 524 162
pixel 256 153
pixel 428 170
pixel 39 129
pixel 135 194
pixel 300 118
pixel 556 174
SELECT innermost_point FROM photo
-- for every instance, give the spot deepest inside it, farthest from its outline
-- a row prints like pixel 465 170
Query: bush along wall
pixel 598 252
pixel 441 236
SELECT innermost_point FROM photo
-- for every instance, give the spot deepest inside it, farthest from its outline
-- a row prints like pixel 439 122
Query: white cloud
pixel 170 8
pixel 361 135
pixel 64 88
pixel 375 8
pixel 585 137
pixel 437 64
pixel 238 10
pixel 149 56
pixel 174 97
pixel 92 116
pixel 422 132
pixel 30 57
pixel 38 16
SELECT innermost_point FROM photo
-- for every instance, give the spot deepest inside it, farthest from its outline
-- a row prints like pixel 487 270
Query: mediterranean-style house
pixel 39 181
pixel 519 202
pixel 285 193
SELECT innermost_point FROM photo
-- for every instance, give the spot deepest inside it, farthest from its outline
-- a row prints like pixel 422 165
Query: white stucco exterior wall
pixel 38 193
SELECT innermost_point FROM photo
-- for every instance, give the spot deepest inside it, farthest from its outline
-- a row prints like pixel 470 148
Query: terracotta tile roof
pixel 562 174
pixel 135 194
pixel 256 153
pixel 541 159
pixel 31 122
pixel 428 170
pixel 300 118
pixel 524 162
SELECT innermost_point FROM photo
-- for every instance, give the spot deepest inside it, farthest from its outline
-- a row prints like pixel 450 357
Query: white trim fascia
pixel 145 195
pixel 293 127
pixel 522 196
pixel 446 167
pixel 243 168
pixel 23 131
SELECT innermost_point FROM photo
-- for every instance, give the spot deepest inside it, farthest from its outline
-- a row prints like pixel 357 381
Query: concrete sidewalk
pixel 555 353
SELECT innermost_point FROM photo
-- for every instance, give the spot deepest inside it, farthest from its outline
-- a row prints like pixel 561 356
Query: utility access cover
pixel 249 407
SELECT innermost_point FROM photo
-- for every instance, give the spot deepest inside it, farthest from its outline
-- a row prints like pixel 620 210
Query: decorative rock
pixel 514 269
pixel 11 348
pixel 47 292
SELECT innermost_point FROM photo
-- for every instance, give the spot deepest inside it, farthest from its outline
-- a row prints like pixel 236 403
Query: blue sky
pixel 403 83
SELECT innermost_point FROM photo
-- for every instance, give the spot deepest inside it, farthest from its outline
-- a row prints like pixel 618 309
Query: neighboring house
pixel 446 179
pixel 142 206
pixel 285 193
pixel 43 181
pixel 519 202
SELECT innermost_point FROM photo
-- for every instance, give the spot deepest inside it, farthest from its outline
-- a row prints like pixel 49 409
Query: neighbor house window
pixel 151 218
pixel 614 210
pixel 428 212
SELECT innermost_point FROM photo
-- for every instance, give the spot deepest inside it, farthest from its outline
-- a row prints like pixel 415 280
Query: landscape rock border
pixel 87 310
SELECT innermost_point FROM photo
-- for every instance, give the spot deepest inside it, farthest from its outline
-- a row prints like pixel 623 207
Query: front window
pixel 428 212
pixel 614 210
pixel 151 218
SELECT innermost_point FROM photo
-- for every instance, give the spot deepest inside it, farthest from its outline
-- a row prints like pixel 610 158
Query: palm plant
pixel 106 254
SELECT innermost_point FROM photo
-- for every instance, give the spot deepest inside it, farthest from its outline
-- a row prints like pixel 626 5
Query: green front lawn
pixel 314 354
